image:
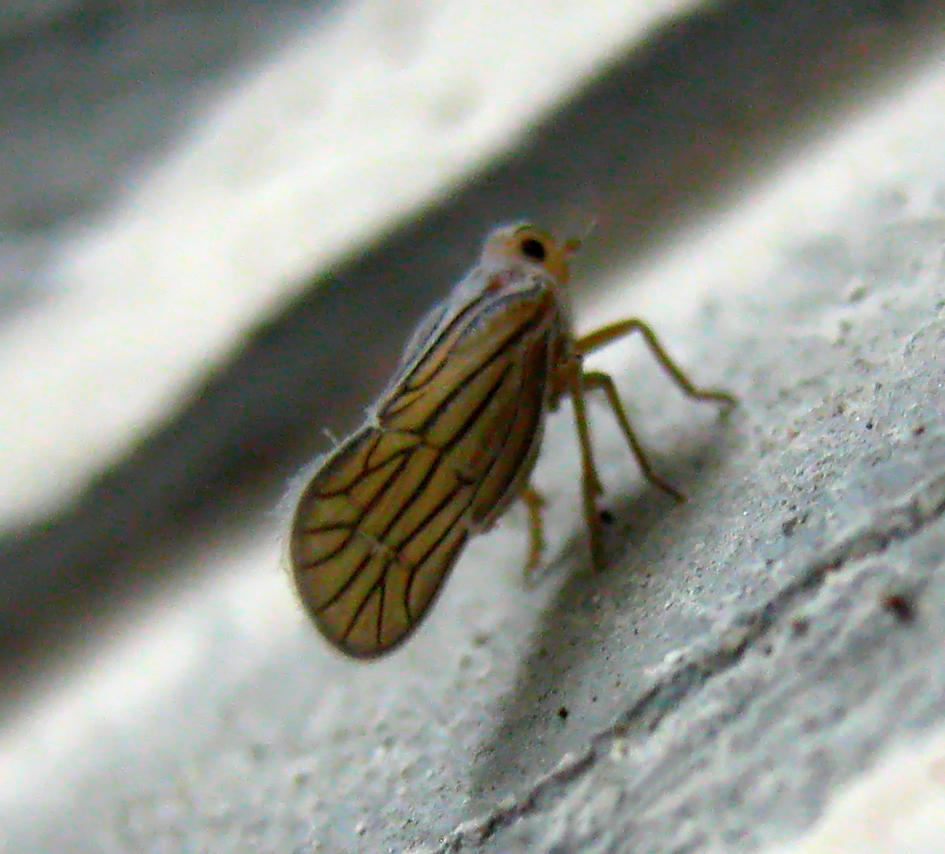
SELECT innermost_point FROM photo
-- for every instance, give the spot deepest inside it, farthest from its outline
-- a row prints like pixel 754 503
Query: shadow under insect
pixel 582 655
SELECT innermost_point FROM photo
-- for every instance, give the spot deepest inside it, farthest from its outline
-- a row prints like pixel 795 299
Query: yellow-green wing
pixel 375 534
pixel 384 520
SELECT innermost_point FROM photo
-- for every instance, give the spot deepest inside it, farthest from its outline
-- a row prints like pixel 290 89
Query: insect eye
pixel 534 249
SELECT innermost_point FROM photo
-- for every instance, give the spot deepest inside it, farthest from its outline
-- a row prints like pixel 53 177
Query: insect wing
pixel 481 393
pixel 519 436
pixel 383 521
pixel 364 582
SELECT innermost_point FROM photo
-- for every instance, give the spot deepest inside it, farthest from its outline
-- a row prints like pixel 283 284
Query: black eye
pixel 534 249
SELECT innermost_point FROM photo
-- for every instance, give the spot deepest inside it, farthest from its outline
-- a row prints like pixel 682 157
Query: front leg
pixel 605 382
pixel 590 479
pixel 578 382
pixel 613 331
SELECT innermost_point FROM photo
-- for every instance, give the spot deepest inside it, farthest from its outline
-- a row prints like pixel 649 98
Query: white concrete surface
pixel 739 661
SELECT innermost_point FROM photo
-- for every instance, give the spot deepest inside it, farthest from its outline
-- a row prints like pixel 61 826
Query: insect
pixel 453 440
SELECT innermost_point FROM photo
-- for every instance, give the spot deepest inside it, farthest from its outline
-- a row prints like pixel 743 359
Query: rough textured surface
pixel 746 654
pixel 743 656
pixel 829 644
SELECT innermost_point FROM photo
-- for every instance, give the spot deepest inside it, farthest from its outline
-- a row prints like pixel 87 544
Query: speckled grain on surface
pixel 742 657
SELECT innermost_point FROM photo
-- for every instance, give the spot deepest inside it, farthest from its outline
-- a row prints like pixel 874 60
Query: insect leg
pixel 534 502
pixel 598 379
pixel 590 480
pixel 606 334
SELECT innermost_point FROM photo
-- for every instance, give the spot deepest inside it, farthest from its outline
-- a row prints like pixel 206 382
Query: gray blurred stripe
pixel 708 105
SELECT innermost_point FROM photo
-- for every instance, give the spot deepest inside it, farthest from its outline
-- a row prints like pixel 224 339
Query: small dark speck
pixel 918 431
pixel 800 625
pixel 868 425
pixel 563 712
pixel 788 526
pixel 900 606
pixel 606 517
pixel 594 698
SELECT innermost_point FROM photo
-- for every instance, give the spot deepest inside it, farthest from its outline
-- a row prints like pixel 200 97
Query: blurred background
pixel 220 221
